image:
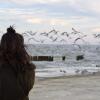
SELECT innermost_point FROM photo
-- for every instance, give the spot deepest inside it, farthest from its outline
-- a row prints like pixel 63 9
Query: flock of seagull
pixel 56 36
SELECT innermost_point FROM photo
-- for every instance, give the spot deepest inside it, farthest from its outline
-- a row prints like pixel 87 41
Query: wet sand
pixel 67 88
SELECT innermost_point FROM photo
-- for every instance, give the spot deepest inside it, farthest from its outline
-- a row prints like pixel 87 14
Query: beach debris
pixel 62 71
pixel 77 71
pixel 97 65
pixel 96 73
pixel 80 57
pixel 84 72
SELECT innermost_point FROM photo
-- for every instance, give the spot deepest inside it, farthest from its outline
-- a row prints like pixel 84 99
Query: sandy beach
pixel 67 88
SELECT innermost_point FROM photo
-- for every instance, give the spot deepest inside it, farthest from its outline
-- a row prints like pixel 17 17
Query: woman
pixel 17 74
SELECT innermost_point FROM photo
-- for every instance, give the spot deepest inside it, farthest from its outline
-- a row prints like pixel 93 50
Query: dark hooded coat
pixel 15 85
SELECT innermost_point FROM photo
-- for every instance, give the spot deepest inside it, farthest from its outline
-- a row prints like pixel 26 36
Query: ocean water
pixel 89 65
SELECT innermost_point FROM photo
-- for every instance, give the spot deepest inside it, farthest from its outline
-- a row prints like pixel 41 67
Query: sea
pixel 71 66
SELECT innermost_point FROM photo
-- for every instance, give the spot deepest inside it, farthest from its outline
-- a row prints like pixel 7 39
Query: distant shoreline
pixel 69 76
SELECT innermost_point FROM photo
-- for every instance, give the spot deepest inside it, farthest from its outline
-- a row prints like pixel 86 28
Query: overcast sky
pixel 43 15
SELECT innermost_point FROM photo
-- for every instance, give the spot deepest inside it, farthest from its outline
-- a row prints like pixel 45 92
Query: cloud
pixel 49 21
pixel 42 17
pixel 95 29
pixel 35 16
pixel 29 2
pixel 90 6
pixel 62 22
pixel 35 20
pixel 82 6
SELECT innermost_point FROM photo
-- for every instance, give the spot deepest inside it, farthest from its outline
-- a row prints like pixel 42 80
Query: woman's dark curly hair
pixel 12 49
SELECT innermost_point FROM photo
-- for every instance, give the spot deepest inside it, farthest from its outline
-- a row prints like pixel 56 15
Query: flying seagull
pixel 65 33
pixel 75 31
pixel 44 34
pixel 80 38
pixel 24 34
pixel 33 39
pixel 96 35
pixel 31 33
pixel 53 31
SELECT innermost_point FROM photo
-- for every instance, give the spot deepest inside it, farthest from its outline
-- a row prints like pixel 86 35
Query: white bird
pixel 25 34
pixel 65 33
pixel 54 39
pixel 80 38
pixel 63 40
pixel 77 45
pixel 96 35
pixel 33 39
pixel 44 34
pixel 75 31
pixel 31 33
pixel 53 31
